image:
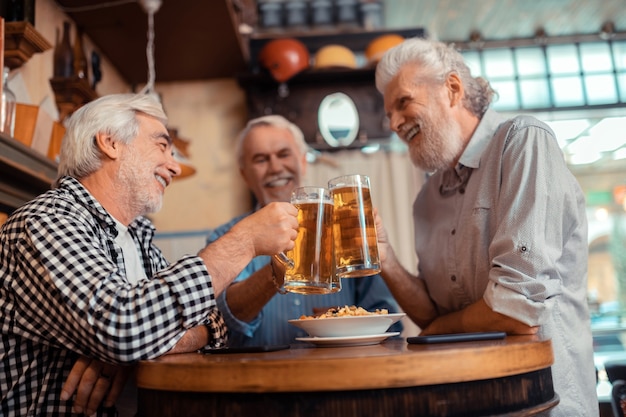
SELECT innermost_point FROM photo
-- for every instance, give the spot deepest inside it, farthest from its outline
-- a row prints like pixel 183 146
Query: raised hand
pixel 272 229
pixel 384 248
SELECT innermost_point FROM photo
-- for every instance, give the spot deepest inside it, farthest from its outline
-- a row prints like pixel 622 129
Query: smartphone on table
pixel 247 349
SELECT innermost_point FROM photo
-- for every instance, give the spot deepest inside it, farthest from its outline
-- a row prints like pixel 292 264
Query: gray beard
pixel 439 147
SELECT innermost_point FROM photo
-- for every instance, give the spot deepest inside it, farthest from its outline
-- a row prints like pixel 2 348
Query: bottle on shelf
pixel 63 54
pixel 18 11
pixel 80 59
pixel 7 107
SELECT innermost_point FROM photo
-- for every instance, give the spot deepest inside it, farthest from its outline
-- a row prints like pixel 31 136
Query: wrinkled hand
pixel 273 228
pixel 384 248
pixel 93 381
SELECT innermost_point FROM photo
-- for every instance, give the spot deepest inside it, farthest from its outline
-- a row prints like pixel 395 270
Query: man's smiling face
pixel 272 163
pixel 421 113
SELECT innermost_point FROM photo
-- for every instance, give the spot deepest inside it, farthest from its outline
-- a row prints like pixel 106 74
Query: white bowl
pixel 374 324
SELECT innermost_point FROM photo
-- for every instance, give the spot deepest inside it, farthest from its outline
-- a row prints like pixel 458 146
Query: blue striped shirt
pixel 270 327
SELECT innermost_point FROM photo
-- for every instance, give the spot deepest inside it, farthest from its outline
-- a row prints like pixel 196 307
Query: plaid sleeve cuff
pixel 218 332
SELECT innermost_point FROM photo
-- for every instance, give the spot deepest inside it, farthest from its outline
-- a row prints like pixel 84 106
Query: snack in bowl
pixel 347 321
pixel 345 311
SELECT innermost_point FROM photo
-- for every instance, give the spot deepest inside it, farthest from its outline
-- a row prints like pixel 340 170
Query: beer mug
pixel 313 269
pixel 354 231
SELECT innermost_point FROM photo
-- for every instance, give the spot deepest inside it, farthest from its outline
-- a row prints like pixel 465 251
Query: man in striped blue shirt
pixel 271 153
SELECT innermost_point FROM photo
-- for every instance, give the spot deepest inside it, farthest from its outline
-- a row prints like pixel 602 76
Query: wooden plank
pixel 24 173
pixel 522 395
pixel 391 364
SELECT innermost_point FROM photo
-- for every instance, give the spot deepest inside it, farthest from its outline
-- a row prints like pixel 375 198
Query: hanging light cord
pixel 149 87
pixel 150 7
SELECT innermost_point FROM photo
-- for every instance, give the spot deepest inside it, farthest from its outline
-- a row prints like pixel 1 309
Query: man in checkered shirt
pixel 82 287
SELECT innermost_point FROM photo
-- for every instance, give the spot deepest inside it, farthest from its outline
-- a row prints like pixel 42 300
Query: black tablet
pixel 455 337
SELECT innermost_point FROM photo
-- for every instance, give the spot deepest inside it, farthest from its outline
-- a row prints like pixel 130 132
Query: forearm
pixel 193 339
pixel 409 291
pixel 226 257
pixel 268 231
pixel 247 298
pixel 477 317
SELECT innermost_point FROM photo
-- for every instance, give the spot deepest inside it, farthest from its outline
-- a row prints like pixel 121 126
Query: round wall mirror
pixel 338 120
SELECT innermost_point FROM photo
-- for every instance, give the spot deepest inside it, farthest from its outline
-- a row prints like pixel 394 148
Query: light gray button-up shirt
pixel 514 234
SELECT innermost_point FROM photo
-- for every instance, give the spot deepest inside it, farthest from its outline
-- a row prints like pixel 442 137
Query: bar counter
pixel 509 377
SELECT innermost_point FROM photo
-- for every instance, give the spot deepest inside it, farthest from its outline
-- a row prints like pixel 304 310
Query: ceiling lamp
pixel 476 40
pixel 607 31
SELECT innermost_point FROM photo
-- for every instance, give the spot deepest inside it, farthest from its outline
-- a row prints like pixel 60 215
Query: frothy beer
pixel 356 244
pixel 312 254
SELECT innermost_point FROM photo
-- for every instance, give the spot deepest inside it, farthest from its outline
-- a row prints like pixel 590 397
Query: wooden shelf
pixel 300 100
pixel 356 40
pixel 305 93
pixel 24 173
pixel 309 76
pixel 21 42
pixel 70 94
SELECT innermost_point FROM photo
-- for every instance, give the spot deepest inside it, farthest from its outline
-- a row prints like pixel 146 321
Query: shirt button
pixel 453 277
pixel 297 302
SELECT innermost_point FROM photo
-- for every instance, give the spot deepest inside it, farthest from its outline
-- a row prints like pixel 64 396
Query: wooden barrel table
pixel 509 377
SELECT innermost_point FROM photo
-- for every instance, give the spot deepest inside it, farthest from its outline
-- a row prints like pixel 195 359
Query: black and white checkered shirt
pixel 64 293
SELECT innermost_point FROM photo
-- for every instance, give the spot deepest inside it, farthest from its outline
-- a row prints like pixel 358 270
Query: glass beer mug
pixel 354 230
pixel 313 270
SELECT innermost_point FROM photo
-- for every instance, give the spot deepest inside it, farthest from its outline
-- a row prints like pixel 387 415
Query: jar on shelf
pixel 18 10
pixel 322 14
pixel 371 15
pixel 7 107
pixel 271 14
pixel 347 13
pixel 296 14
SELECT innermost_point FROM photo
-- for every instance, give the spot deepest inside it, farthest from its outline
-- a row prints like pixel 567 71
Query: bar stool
pixel 616 372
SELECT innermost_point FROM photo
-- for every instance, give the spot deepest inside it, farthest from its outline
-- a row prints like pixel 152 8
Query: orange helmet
pixel 377 48
pixel 331 56
pixel 284 58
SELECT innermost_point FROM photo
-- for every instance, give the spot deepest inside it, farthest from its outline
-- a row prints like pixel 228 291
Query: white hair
pixel 270 120
pixel 113 114
pixel 436 60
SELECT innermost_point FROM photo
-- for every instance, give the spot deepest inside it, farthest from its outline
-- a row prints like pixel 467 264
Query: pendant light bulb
pixel 150 6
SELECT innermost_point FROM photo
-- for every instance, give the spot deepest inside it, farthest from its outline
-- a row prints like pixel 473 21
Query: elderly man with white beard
pixel 500 224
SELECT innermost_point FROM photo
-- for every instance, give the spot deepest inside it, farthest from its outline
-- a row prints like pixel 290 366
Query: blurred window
pixel 546 77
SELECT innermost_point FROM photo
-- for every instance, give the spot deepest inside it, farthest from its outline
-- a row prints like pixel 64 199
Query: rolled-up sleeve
pixel 538 227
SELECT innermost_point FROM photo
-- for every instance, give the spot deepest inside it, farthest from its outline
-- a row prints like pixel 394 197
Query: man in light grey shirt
pixel 500 225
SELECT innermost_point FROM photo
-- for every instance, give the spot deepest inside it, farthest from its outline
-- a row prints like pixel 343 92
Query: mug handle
pixel 284 260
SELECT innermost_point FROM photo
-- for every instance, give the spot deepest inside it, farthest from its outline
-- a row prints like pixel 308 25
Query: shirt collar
pixel 480 139
pixel 107 222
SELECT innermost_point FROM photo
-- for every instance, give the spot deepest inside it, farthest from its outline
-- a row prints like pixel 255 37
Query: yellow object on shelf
pixel 25 122
pixel 37 130
pixel 335 56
